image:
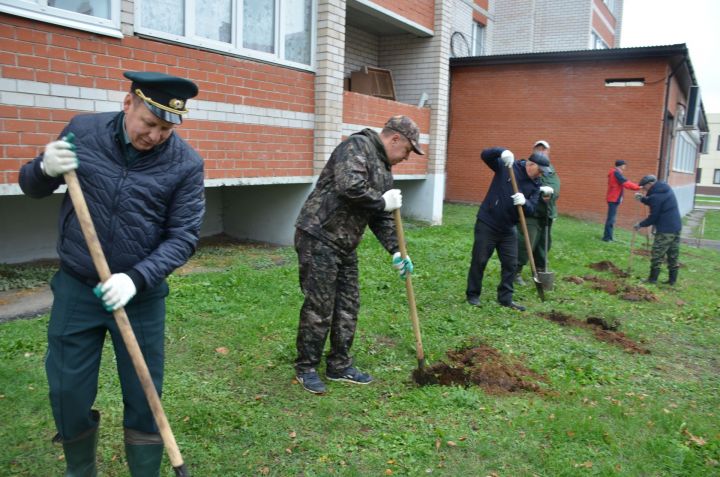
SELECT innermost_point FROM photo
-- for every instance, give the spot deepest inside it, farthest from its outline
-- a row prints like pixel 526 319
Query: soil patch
pixel 483 366
pixel 615 287
pixel 603 330
pixel 608 266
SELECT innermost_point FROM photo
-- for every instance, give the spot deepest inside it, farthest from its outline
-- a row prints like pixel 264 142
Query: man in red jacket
pixel 616 184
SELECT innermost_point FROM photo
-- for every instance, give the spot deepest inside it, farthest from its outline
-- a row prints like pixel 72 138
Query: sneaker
pixel 519 281
pixel 311 382
pixel 473 300
pixel 350 375
pixel 514 306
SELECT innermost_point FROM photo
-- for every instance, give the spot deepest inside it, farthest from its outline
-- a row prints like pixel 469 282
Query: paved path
pixel 694 220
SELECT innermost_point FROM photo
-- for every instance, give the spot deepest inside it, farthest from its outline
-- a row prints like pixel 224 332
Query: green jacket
pixel 549 208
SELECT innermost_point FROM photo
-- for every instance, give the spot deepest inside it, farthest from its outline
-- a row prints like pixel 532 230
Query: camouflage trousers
pixel 329 281
pixel 665 245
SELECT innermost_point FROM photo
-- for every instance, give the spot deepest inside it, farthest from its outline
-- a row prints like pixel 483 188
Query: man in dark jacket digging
pixel 144 189
pixel 539 223
pixel 665 217
pixel 354 190
pixel 497 218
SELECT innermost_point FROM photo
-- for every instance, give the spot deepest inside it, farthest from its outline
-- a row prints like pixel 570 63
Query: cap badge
pixel 176 103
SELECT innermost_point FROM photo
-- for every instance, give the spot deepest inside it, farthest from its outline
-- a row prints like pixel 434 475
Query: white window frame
pixel 596 42
pixel 478 29
pixel 685 154
pixel 40 11
pixel 237 35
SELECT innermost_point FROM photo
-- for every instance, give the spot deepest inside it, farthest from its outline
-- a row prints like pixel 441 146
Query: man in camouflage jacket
pixel 354 190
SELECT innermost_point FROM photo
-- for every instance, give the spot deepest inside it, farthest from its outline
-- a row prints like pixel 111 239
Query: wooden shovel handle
pixel 528 247
pixel 123 323
pixel 410 293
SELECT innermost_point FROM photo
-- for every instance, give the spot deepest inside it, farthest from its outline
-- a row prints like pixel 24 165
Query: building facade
pixel 276 88
pixel 593 107
pixel 708 173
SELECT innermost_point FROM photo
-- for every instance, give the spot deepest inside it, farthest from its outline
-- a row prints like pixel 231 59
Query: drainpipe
pixel 666 168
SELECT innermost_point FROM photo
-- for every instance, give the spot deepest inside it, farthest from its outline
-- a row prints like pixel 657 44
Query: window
pixel 597 43
pixel 623 82
pixel 611 5
pixel 97 16
pixel 280 31
pixel 698 176
pixel 716 176
pixel 718 144
pixel 685 153
pixel 478 39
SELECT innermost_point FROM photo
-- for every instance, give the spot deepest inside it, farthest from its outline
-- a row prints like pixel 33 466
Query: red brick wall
pixel 419 11
pixel 588 125
pixel 372 111
pixel 36 51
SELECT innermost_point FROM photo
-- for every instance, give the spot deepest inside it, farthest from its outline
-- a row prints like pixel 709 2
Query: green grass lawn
pixel 235 409
pixel 701 199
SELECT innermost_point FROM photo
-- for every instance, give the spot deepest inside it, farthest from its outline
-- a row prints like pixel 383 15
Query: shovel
pixel 410 293
pixel 123 323
pixel 528 247
pixel 632 245
pixel 547 278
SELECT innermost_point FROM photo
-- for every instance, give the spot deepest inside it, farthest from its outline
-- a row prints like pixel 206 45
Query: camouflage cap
pixel 407 127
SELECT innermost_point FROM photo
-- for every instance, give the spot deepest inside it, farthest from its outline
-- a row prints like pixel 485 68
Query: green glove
pixel 402 265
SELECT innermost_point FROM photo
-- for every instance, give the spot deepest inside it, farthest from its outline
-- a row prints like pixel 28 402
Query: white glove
pixel 638 196
pixel 59 157
pixel 393 199
pixel 507 158
pixel 518 199
pixel 546 190
pixel 402 265
pixel 116 291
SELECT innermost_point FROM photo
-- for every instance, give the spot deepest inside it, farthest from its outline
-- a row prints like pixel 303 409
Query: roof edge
pixel 576 55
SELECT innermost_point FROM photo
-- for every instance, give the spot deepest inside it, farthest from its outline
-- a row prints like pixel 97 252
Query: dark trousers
pixel 537 230
pixel 76 334
pixel 329 281
pixel 610 220
pixel 486 242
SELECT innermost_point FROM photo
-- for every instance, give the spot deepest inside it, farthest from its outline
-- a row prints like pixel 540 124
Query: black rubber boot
pixel 654 273
pixel 80 452
pixel 672 277
pixel 144 453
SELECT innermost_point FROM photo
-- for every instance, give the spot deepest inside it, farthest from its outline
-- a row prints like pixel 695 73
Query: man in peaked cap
pixel 144 188
pixel 354 190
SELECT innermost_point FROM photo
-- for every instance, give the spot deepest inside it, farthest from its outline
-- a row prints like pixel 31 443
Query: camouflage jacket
pixel 348 196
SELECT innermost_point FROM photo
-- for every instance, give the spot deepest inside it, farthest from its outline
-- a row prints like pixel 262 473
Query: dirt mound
pixel 483 366
pixel 615 287
pixel 602 329
pixel 608 266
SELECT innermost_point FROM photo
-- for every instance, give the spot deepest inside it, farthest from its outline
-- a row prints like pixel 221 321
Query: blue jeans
pixel 610 221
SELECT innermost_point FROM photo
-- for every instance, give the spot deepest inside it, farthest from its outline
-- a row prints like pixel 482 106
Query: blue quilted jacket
pixel 147 213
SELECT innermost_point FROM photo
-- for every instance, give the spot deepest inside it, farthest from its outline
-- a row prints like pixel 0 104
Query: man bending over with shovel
pixel 144 189
pixel 665 217
pixel 497 218
pixel 354 190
